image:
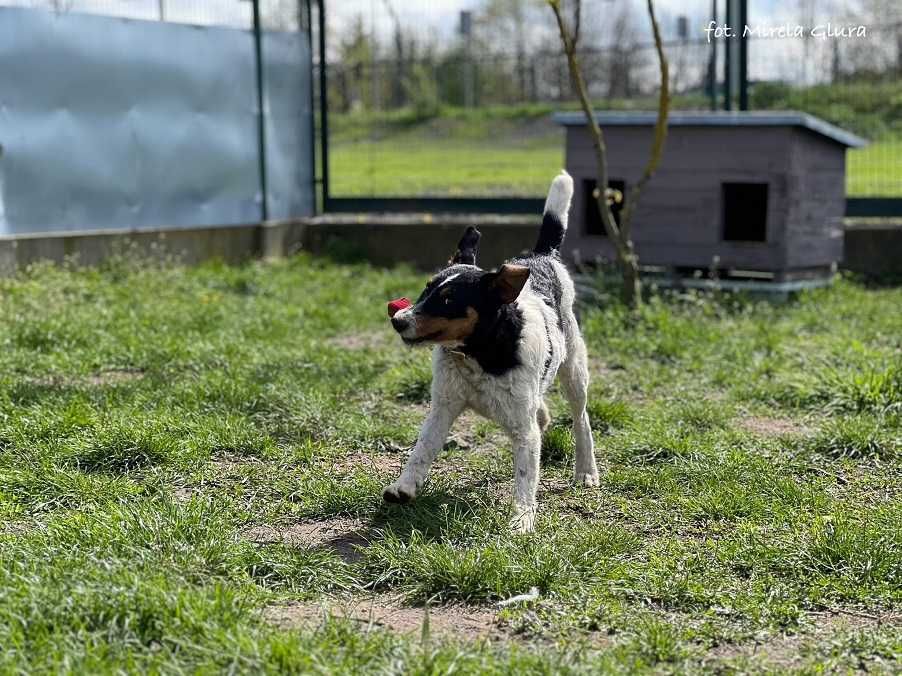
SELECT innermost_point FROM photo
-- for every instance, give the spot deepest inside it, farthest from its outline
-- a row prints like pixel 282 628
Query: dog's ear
pixel 466 248
pixel 508 282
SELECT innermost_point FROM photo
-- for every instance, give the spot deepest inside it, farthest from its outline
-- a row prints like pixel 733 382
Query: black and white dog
pixel 500 338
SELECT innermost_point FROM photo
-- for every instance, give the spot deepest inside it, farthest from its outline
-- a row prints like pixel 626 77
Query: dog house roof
pixel 768 118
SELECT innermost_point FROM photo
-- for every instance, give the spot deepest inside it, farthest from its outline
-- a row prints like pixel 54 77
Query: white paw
pixel 399 492
pixel 523 519
pixel 587 479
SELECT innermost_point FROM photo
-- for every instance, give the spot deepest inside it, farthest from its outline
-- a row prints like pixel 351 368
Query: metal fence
pixel 417 101
pixel 114 119
pixel 415 112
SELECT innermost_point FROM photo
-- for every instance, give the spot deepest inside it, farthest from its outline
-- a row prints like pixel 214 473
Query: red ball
pixel 395 306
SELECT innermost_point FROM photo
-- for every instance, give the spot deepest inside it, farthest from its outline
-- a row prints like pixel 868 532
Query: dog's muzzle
pixel 401 324
pixel 405 323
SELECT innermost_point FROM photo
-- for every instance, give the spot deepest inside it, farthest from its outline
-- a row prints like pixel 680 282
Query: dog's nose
pixel 399 324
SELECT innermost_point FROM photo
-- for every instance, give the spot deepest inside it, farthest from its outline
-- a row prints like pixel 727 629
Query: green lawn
pixel 875 170
pixel 403 167
pixel 191 462
pixel 498 151
pixel 503 153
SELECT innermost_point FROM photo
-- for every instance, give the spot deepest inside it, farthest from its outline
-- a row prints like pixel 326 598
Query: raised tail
pixel 554 220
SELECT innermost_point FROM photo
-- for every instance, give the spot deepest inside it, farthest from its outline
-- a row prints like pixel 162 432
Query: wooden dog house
pixel 750 194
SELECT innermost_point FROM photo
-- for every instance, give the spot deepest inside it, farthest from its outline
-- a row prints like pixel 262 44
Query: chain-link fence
pixel 458 102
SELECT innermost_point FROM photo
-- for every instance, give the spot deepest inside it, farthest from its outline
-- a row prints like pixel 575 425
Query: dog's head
pixel 454 300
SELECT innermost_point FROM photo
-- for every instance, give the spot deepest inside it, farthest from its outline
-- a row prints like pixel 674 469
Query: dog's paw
pixel 523 519
pixel 399 493
pixel 589 479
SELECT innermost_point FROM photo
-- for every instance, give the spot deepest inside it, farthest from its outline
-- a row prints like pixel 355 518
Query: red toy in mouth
pixel 395 306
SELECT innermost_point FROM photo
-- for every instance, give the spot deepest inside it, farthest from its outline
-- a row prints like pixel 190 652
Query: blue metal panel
pixel 115 123
pixel 287 79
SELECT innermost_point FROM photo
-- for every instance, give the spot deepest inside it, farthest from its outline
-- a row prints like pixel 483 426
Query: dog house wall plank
pixel 815 229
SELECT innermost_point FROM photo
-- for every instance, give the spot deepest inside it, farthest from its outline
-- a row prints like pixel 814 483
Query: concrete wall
pixel 874 249
pixel 424 242
pixel 232 244
pixel 418 240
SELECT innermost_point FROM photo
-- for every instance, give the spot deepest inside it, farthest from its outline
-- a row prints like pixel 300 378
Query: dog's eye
pixel 447 301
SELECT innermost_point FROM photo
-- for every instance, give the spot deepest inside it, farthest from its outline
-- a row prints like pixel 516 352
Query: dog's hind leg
pixel 430 441
pixel 574 375
pixel 543 417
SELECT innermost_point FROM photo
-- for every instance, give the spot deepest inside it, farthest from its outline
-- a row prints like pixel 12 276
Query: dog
pixel 499 339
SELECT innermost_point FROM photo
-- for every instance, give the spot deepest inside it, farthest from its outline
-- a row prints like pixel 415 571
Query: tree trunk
pixel 631 293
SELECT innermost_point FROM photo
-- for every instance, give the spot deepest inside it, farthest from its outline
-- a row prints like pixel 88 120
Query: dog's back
pixel 549 281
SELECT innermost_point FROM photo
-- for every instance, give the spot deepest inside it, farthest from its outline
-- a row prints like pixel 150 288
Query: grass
pixel 875 170
pixel 499 151
pixel 510 152
pixel 152 416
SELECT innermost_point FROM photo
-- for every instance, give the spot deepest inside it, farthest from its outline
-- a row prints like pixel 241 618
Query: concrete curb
pixel 425 241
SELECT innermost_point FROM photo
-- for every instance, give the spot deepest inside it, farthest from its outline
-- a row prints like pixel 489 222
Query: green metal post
pixel 261 115
pixel 743 56
pixel 323 106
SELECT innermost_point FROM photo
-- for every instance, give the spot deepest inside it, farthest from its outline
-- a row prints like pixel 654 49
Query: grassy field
pixel 875 170
pixel 501 151
pixel 191 462
pixel 506 152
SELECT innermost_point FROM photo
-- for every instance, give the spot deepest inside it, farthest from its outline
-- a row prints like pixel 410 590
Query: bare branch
pixel 607 218
pixel 657 147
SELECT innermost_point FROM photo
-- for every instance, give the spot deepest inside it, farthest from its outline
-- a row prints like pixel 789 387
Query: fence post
pixel 728 59
pixel 712 62
pixel 744 56
pixel 261 117
pixel 323 104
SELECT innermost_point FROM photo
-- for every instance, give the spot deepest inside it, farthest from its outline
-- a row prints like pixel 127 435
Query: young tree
pixel 619 235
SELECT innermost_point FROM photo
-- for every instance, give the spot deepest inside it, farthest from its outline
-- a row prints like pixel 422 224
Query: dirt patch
pixel 99 379
pixel 469 433
pixel 789 650
pixel 183 493
pixel 389 612
pixel 15 528
pixel 380 463
pixel 341 535
pixel 773 427
pixel 228 463
pixel 373 340
pixel 114 377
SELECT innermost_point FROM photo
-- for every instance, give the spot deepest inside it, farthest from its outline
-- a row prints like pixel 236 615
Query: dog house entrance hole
pixel 594 226
pixel 744 212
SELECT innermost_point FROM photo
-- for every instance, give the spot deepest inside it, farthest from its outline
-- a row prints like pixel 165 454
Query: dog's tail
pixel 554 220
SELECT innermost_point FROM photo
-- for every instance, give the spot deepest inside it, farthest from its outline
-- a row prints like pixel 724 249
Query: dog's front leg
pixel 527 442
pixel 432 437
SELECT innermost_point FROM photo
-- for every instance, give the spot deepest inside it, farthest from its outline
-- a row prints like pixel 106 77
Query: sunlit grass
pixel 150 415
pixel 503 154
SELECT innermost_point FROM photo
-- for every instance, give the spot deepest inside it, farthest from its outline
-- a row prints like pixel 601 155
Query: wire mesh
pixel 457 100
